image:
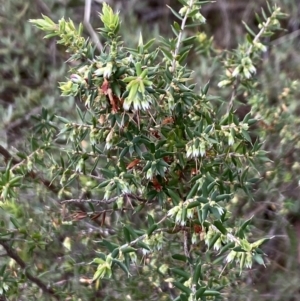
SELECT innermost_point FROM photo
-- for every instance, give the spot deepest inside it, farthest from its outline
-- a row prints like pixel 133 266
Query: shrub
pixel 152 157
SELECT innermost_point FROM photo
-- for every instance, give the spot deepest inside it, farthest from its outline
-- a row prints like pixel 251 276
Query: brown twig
pixel 14 255
pixel 7 156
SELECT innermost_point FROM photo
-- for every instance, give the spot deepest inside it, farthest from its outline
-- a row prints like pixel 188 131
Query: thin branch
pixel 14 255
pixel 90 201
pixel 109 201
pixel 261 32
pixel 168 230
pixel 87 24
pixel 133 242
pixel 191 3
pixel 77 152
pixel 49 185
pixel 233 95
pixel 87 126
pixel 186 244
pixel 186 248
pixel 255 40
pixel 81 173
pixel 7 156
pixel 25 160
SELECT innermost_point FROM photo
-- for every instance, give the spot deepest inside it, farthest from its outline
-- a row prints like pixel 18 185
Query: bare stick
pixel 87 24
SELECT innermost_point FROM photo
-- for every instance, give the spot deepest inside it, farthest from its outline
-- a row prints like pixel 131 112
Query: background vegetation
pixel 30 72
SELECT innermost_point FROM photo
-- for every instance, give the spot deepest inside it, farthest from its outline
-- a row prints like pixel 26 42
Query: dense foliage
pixel 146 171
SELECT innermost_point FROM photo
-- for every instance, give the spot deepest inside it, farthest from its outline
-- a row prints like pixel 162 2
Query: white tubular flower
pixel 173 211
pixel 230 257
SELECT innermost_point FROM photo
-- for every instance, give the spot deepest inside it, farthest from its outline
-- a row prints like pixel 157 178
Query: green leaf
pixel 215 212
pixel 107 173
pixel 205 211
pixel 219 225
pixel 152 229
pixel 180 257
pixel 211 293
pixel 149 43
pixel 174 12
pixel 226 248
pixel 64 120
pixel 141 244
pixel 15 222
pixel 243 227
pixel 131 232
pixel 122 266
pixel 125 250
pixel 189 40
pixel 174 31
pixel 183 56
pixel 193 205
pixel 115 252
pixel 197 273
pixel 222 197
pixel 183 2
pixel 200 292
pixel 182 287
pixel 264 14
pixel 246 136
pixel 260 242
pixel 258 258
pixel 249 29
pixel 126 234
pixel 180 273
pixel 109 245
pixel 174 196
pixel 205 88
pixel 213 240
pixel 167 54
pixel 150 220
pixel 242 262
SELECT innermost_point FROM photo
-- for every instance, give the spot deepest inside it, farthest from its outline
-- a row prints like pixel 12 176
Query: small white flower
pixel 190 213
pixel 178 216
pixel 173 211
pixel 99 71
pixel 218 244
pixel 224 83
pixel 248 262
pixel 202 149
pixel 75 78
pixel 236 71
pixel 183 10
pixel 189 150
pixel 230 139
pixel 230 257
